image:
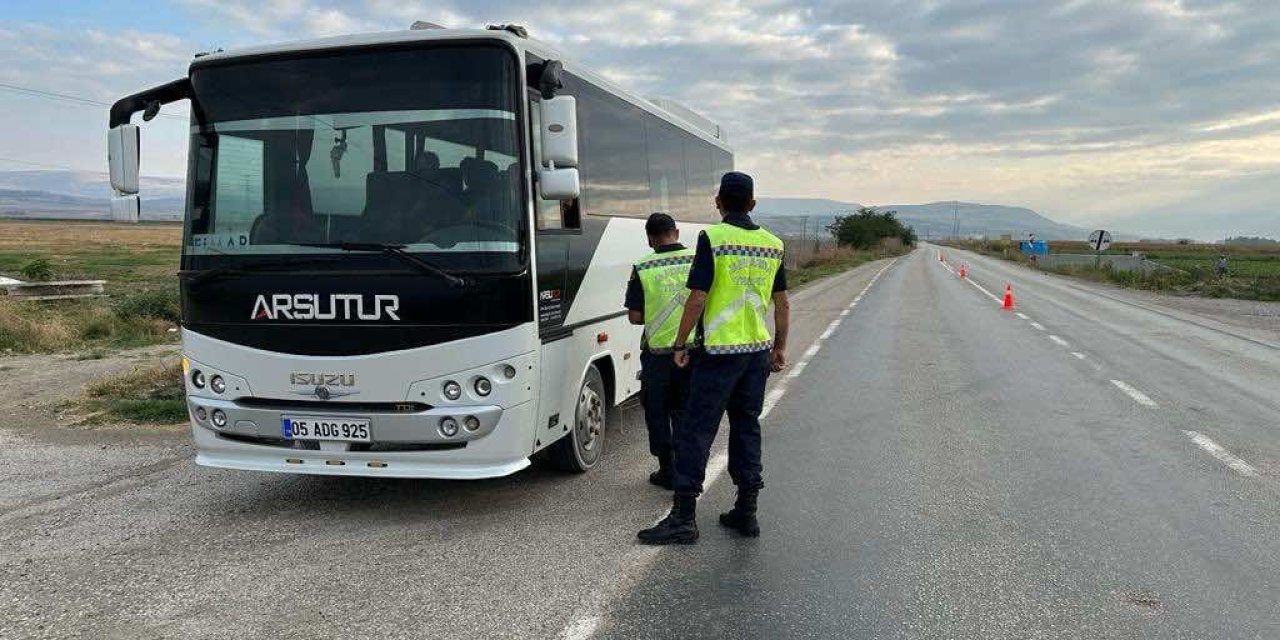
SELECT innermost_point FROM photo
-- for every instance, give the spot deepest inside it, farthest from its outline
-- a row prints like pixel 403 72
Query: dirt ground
pixel 33 387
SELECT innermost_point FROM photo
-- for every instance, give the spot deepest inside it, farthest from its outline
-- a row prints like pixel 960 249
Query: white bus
pixel 405 253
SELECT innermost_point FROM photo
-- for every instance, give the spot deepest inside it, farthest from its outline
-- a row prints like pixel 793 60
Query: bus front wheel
pixel 581 448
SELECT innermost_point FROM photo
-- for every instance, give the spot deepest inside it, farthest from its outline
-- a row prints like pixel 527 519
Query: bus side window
pixel 551 215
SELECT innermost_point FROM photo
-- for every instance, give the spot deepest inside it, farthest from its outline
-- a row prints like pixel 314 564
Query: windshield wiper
pixel 395 250
pixel 233 269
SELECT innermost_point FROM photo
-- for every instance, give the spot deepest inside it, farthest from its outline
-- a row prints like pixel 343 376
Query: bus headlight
pixel 508 371
pixel 483 386
pixel 217 384
pixel 197 379
pixel 448 427
pixel 471 423
pixel 219 418
pixel 452 390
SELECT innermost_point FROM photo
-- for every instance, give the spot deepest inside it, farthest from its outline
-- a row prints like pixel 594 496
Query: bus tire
pixel 580 449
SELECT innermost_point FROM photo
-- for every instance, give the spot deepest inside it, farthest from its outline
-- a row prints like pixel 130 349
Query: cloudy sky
pixel 1155 115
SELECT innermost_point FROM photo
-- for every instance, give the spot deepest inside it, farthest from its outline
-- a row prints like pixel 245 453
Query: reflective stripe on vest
pixel 663 277
pixel 735 319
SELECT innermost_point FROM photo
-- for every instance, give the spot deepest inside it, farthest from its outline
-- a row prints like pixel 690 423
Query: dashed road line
pixel 585 625
pixel 1078 355
pixel 1037 325
pixel 1059 341
pixel 1225 457
pixel 983 290
pixel 1021 315
pixel 1138 396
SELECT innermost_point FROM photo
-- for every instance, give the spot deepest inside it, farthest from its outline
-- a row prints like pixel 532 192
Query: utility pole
pixel 955 220
pixel 804 233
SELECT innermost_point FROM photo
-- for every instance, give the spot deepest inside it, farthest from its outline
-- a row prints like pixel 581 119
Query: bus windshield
pixel 409 147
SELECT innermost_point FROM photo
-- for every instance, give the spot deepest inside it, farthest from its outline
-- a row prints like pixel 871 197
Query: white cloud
pixel 1082 108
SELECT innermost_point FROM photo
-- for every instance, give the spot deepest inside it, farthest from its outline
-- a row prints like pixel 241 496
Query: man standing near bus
pixel 655 298
pixel 737 270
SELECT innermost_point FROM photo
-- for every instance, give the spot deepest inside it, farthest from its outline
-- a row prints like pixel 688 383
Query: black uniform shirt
pixel 635 292
pixel 704 266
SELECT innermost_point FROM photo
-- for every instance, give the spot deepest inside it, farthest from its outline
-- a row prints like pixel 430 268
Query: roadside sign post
pixel 1099 241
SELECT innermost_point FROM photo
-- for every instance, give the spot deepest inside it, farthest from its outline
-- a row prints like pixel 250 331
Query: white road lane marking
pixel 975 284
pixel 1022 315
pixel 1037 325
pixel 588 622
pixel 1225 457
pixel 1059 341
pixel 1138 396
pixel 582 628
pixel 1078 355
pixel 983 290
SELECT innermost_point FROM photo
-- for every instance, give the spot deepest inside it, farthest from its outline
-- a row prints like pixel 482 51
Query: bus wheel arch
pixel 583 446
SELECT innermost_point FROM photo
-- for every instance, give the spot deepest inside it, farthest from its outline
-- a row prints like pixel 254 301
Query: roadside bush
pixel 868 227
pixel 161 304
pixel 38 270
pixel 97 326
pixel 25 332
pixel 149 394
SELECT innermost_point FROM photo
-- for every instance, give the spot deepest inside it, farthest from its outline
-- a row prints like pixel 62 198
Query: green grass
pixel 1253 273
pixel 831 262
pixel 151 394
pixel 139 263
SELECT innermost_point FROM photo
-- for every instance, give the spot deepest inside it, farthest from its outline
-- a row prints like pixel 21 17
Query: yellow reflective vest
pixel 735 319
pixel 663 277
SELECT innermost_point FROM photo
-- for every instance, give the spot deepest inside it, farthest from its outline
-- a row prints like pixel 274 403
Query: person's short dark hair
pixel 659 224
pixel 737 189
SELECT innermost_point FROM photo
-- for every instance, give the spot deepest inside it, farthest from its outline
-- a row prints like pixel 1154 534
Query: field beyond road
pixel 1253 271
pixel 139 263
pixel 127 256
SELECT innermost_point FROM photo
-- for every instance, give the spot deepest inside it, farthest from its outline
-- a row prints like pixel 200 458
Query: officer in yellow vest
pixel 655 299
pixel 736 276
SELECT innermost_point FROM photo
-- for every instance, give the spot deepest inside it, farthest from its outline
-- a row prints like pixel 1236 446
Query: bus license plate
pixel 325 428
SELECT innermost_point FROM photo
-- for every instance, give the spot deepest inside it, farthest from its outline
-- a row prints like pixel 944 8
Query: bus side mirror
pixel 122 158
pixel 558 184
pixel 560 132
pixel 126 208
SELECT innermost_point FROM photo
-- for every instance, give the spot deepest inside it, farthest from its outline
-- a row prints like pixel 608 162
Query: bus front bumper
pixel 503 450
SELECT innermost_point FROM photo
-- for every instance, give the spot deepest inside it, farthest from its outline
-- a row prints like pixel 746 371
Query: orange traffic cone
pixel 964 271
pixel 1008 297
pixel 941 257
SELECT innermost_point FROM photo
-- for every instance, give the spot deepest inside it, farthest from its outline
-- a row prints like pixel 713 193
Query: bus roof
pixel 665 108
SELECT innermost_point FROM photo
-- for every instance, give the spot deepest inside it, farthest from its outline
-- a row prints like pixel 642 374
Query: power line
pixel 88 102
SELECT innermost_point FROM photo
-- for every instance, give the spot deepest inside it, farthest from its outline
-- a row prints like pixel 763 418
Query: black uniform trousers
pixel 664 388
pixel 732 382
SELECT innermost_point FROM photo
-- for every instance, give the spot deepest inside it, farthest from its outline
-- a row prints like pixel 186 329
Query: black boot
pixel 662 477
pixel 679 527
pixel 742 518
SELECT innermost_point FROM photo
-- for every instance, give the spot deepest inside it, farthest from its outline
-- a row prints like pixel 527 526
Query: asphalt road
pixel 935 467
pixel 1091 468
pixel 107 534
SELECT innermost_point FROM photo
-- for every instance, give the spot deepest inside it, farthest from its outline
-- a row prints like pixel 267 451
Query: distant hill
pixel 82 195
pixel 786 216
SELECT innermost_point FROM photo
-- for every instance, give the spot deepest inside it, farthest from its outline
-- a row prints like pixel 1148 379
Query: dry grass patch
pixel 149 394
pixel 139 263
